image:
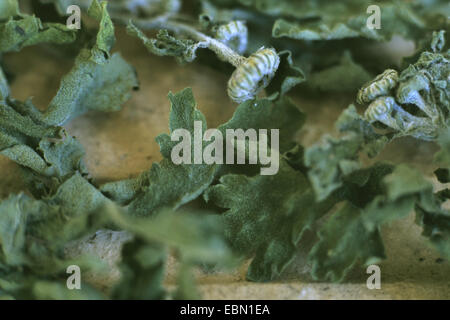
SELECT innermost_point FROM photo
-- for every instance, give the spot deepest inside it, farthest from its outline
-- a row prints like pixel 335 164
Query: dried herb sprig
pixel 324 189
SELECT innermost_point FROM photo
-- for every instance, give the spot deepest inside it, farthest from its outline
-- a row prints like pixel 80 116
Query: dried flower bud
pixel 253 75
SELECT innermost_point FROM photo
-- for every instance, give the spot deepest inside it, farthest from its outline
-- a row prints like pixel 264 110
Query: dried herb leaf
pixel 20 30
pixel 188 181
pixel 266 217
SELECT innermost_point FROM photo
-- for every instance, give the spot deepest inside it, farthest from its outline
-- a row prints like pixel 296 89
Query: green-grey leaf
pixel 29 30
pixel 266 217
pixel 184 50
pixel 92 86
pixel 188 181
pixel 344 241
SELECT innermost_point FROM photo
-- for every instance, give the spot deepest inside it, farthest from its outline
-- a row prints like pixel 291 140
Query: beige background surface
pixel 121 145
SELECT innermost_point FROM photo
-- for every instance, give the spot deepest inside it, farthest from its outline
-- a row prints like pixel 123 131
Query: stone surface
pixel 121 145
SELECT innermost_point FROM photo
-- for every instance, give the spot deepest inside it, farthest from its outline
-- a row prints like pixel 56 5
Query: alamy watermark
pixel 74 280
pixel 374 21
pixel 374 280
pixel 240 144
pixel 74 20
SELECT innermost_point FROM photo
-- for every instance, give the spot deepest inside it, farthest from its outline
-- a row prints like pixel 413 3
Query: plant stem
pixel 163 22
pixel 220 49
